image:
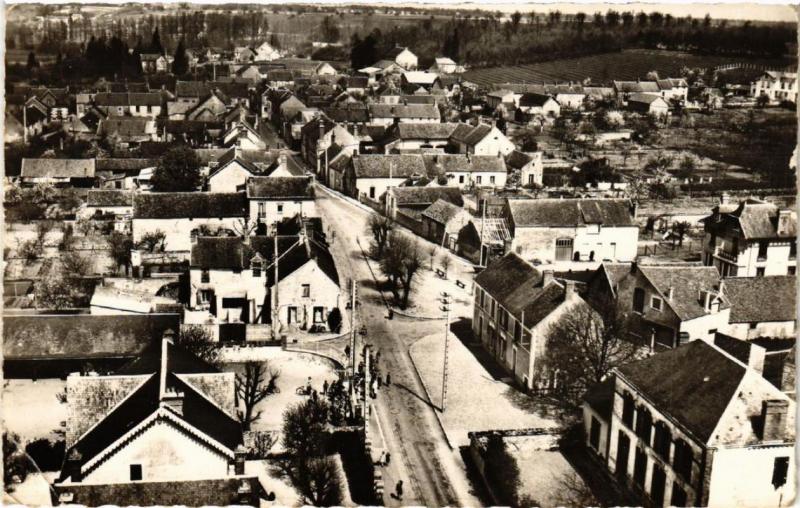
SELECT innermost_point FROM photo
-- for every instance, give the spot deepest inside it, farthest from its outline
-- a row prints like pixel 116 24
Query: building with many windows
pixel 752 239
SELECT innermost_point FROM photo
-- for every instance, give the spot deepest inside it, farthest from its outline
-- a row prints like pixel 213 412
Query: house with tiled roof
pixel 234 280
pixel 153 63
pixel 562 231
pixel 243 135
pixel 481 139
pixel 752 239
pixel 369 176
pixel 415 137
pixel 751 316
pixel 62 172
pixel 133 104
pixel 181 215
pixel 387 114
pixel 403 57
pixel 165 427
pixel 777 86
pixel 319 134
pixel 670 305
pixel 515 305
pixel 648 104
pixel 695 426
pixel 114 203
pixel 413 200
pixel 529 165
pixel 442 221
pixel 127 131
pixel 272 198
pixel 538 104
pixel 467 171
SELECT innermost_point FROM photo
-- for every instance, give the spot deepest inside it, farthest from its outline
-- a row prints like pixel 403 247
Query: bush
pixel 335 320
pixel 49 456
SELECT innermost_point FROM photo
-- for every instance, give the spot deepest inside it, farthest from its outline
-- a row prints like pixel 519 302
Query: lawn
pixel 31 410
pixel 476 400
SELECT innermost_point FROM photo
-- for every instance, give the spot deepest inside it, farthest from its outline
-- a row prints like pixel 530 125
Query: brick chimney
pixel 569 287
pixel 773 416
pixel 547 277
pixel 784 218
pixel 173 399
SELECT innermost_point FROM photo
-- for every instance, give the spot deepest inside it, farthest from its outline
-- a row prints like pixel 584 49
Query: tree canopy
pixel 178 170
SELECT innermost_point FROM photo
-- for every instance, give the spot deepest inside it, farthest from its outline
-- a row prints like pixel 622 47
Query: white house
pixel 231 172
pixel 696 426
pixel 539 104
pixel 751 316
pixel 566 231
pixel 265 52
pixel 273 198
pixel 244 136
pixel 403 57
pixel 61 172
pixel 465 170
pixel 648 104
pixel 445 65
pixel 778 86
pixel 528 164
pixel 481 139
pixel 369 176
pixel 387 114
pixel 115 203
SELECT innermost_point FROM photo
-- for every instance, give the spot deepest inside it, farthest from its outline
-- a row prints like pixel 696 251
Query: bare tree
pixel 258 382
pixel 401 261
pixel 572 491
pixel 198 341
pixel 380 227
pixel 321 484
pixel 153 241
pixel 244 227
pixel 679 231
pixel 586 344
pixel 76 264
pixel 445 262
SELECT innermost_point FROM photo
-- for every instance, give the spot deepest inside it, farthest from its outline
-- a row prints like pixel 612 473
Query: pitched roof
pixel 442 211
pixel 533 99
pixel 645 98
pixel 440 164
pixel 570 212
pixel 636 86
pixel 517 159
pixel 381 166
pixel 406 196
pixel 109 198
pixel 749 296
pixel 420 77
pixel 191 89
pixel 280 188
pixel 230 253
pixel 427 131
pixel 687 283
pixel 471 135
pixel 82 335
pixel 395 52
pixel 127 126
pixel 754 219
pixel 57 168
pixel 430 111
pixel 693 384
pixel 127 99
pixel 127 164
pixel 172 205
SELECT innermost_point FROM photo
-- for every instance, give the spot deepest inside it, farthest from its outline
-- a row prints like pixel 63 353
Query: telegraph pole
pixel 353 328
pixel 275 315
pixel 446 308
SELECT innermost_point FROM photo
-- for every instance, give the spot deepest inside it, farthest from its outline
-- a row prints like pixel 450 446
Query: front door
pixel 291 317
pixel 623 450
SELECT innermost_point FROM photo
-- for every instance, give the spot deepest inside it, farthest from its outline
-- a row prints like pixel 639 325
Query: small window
pixel 627 409
pixel 204 276
pixel 656 303
pixel 762 250
pixel 793 249
pixel 136 472
pixel 780 469
pixel 491 179
pixel 280 208
pixel 372 192
pixel 760 271
pixel 712 331
pixel 256 266
pixel 753 326
pixel 478 180
pixel 306 290
pixel 262 213
pixel 460 178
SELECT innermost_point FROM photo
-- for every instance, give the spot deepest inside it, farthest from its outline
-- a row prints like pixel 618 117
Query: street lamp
pixel 446 308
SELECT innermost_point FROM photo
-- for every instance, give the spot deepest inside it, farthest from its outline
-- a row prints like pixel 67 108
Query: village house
pixel 59 172
pixel 153 63
pixel 529 166
pixel 412 81
pixel 415 137
pixel 266 53
pixel 369 176
pixel 467 171
pixel 164 426
pixel 231 171
pixel 481 139
pixel 502 96
pixel 483 239
pixel 777 86
pixel 696 426
pixel 272 198
pixel 114 300
pixel 674 89
pixel 129 104
pixel 515 305
pixel 752 239
pixel 402 57
pixel 317 136
pixel 624 89
pixel 234 280
pixel 536 104
pixel 119 173
pixel 243 135
pixel 761 307
pixel 442 221
pixel 412 201
pixel 115 204
pixel 243 54
pixel 387 114
pixel 572 230
pixel 127 131
pixel 445 65
pixel 182 215
pixel 207 108
pixel 648 104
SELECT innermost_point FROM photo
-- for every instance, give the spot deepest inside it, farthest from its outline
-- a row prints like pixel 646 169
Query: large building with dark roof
pixel 696 426
pixel 762 306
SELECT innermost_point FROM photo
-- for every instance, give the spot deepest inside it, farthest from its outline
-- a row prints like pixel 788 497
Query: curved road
pixel 432 473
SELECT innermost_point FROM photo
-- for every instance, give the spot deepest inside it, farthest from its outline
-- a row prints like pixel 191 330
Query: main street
pixel 432 473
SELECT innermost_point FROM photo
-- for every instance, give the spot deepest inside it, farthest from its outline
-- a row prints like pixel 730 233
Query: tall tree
pixel 33 63
pixel 178 170
pixel 180 65
pixel 256 383
pixel 155 43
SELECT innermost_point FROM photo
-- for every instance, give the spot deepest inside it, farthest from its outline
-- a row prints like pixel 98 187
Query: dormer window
pixel 657 303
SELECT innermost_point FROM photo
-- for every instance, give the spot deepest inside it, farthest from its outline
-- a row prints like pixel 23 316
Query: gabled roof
pixel 174 205
pixel 381 166
pixel 126 164
pixel 517 159
pixel 351 113
pixel 570 212
pixel 636 86
pixel 420 77
pixel 127 127
pixel 57 168
pixel 426 131
pixel 645 98
pixel 442 211
pixel 395 52
pixel 762 299
pixel 407 196
pixel 687 283
pixel 534 100
pixel 471 135
pixel 440 164
pixel 109 198
pixel 280 188
pixel 753 219
pixel 693 384
pixel 404 111
pixel 127 99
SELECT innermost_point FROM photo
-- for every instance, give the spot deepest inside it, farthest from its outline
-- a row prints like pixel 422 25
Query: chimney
pixel 239 456
pixel 670 292
pixel 73 466
pixel 773 417
pixel 634 208
pixel 755 359
pixel 569 287
pixel 724 198
pixel 705 298
pixel 282 160
pixel 784 217
pixel 173 399
pixel 169 334
pixel 547 277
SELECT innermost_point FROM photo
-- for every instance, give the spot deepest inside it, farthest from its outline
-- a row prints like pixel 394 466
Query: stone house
pixel 58 172
pixel 272 198
pixel 442 221
pixel 481 139
pixel 751 316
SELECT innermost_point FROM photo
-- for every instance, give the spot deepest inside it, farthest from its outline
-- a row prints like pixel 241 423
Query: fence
pixel 670 249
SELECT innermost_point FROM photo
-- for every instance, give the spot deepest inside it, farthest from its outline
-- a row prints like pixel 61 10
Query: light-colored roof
pixel 57 168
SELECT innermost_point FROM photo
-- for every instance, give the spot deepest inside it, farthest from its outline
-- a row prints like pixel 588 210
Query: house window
pixel 657 483
pixel 638 300
pixel 563 249
pixel 627 409
pixel 594 434
pixel 483 297
pixel 256 266
pixel 662 440
pixel 623 452
pixel 478 180
pixel 656 303
pixel 678 495
pixel 792 249
pixel 136 472
pixel 491 179
pixel 205 295
pixel 682 460
pixel 644 424
pixel 460 178
pixel 791 270
pixel 372 192
pixel 280 209
pixel 306 290
pixel 204 276
pixel 753 326
pixel 291 315
pixel 760 271
pixel 319 314
pixel 762 250
pixel 640 467
pixel 262 212
pixel 779 470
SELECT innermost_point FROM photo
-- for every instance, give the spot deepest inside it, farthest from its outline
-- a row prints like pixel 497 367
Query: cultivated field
pixel 625 65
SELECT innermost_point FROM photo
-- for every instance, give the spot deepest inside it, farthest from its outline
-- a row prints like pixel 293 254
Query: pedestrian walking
pixel 325 387
pixel 313 395
pixel 379 379
pixel 398 489
pixel 347 351
pixel 387 459
pixel 308 386
pixel 388 379
pixel 378 356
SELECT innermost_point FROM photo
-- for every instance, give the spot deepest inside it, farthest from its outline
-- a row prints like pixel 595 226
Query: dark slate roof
pixel 533 99
pixel 440 164
pixel 125 126
pixel 127 99
pixel 230 253
pixel 687 283
pixel 427 131
pixel 517 159
pixel 762 299
pixel 280 188
pixel 645 98
pixel 442 211
pixel 191 89
pixel 380 166
pixel 298 255
pixel 405 196
pixel 170 205
pixel 124 164
pixel 109 198
pixel 469 134
pixel 355 113
pixel 82 335
pixel 570 212
pixel 693 384
pixel 179 361
pixel 57 168
pixel 600 397
pixel 430 111
pixel 636 86
pixel 754 219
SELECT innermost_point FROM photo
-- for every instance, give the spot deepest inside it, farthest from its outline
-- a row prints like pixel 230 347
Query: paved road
pixel 432 473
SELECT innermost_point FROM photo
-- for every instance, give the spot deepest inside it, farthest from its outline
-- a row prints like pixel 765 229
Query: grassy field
pixel 625 65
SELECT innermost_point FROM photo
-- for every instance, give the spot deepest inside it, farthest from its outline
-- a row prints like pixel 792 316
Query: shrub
pixel 49 456
pixel 335 320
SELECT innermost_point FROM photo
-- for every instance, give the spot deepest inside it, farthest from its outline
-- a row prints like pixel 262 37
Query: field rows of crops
pixel 626 65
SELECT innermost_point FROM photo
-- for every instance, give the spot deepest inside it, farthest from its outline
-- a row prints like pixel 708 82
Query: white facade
pixel 590 243
pixel 752 259
pixel 270 211
pixel 778 86
pixel 179 231
pixel 229 178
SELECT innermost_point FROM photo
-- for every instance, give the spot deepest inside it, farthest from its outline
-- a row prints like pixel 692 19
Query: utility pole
pixel 275 315
pixel 446 308
pixel 25 120
pixel 353 328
